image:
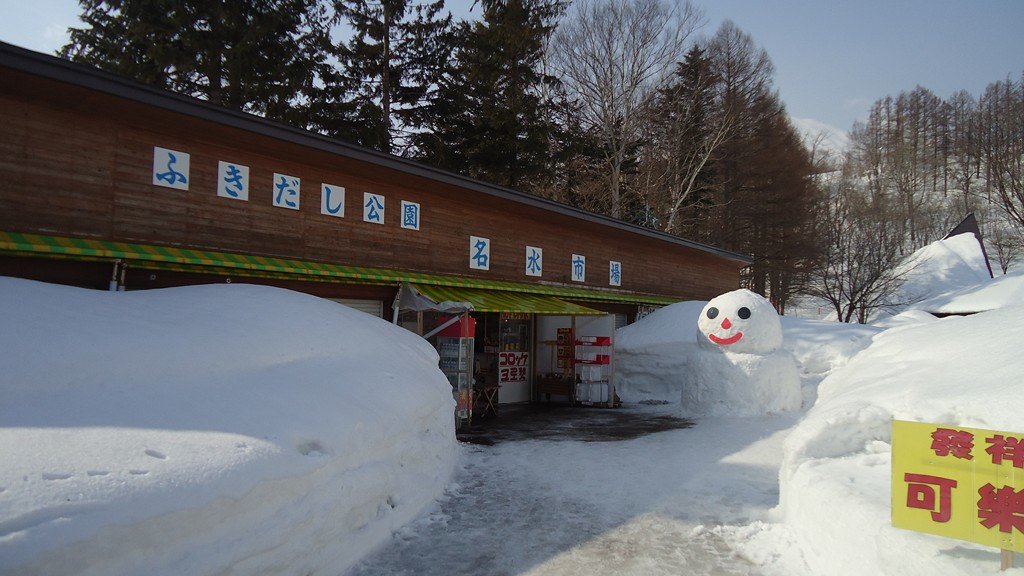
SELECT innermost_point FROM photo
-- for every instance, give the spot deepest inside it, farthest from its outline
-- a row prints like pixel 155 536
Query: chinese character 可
pixel 959 443
pixel 1004 507
pixel 921 495
pixel 1008 448
pixel 480 257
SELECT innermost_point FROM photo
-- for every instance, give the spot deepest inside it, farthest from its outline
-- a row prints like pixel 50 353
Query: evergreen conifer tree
pixel 388 71
pixel 254 56
pixel 691 125
pixel 493 118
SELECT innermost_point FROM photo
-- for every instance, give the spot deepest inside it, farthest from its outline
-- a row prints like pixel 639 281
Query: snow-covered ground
pixel 211 429
pixel 246 430
pixel 835 474
pixel 564 507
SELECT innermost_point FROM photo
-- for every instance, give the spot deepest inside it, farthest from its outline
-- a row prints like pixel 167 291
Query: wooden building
pixel 108 180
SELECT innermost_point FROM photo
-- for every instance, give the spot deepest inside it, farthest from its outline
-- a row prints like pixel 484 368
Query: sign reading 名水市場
pixel 962 483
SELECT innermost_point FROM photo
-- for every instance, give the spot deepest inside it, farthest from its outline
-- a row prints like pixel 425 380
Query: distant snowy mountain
pixel 825 137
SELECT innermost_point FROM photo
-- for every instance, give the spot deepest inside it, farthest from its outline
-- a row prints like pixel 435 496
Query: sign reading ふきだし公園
pixel 958 482
pixel 171 169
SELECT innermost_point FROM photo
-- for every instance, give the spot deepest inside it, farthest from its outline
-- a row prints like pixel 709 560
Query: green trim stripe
pixel 194 260
pixel 498 301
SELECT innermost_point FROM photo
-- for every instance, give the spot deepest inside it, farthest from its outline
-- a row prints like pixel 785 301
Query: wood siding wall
pixel 78 162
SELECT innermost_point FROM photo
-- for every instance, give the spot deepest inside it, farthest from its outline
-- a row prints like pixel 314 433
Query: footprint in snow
pixel 97 472
pixel 56 476
pixel 311 448
pixel 138 472
pixel 155 454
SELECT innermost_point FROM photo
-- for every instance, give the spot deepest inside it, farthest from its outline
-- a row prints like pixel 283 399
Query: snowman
pixel 740 368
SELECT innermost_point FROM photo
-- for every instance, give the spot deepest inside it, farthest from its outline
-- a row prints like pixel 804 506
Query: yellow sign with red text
pixel 962 483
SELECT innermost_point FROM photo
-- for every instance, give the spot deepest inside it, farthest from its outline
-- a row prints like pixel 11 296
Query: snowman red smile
pixel 726 324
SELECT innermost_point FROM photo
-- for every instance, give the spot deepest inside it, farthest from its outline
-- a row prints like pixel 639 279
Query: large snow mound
pixel 209 429
pixel 942 266
pixel 653 354
pixel 989 294
pixel 835 474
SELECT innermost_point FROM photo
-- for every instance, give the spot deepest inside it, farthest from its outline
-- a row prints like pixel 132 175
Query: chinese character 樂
pixel 1003 507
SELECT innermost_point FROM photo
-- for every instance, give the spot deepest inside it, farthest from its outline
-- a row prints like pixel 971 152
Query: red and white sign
pixel 513 367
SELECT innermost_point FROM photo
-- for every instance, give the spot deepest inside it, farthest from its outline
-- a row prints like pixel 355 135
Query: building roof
pixel 61 70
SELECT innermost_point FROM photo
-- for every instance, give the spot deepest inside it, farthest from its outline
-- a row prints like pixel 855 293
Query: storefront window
pixel 514 365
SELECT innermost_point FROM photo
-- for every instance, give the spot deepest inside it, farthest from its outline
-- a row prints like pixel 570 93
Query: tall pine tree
pixel 691 125
pixel 254 56
pixel 388 71
pixel 493 116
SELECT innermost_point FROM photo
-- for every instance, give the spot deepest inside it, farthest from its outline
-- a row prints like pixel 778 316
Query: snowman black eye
pixel 743 312
pixel 712 312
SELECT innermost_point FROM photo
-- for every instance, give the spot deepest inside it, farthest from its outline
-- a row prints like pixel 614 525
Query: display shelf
pixel 594 341
pixel 593 368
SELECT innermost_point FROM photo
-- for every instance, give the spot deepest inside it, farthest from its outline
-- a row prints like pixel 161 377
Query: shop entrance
pixel 500 348
pixel 504 354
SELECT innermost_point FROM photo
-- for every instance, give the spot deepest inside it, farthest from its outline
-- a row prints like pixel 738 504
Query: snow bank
pixel 835 474
pixel 992 294
pixel 731 384
pixel 209 429
pixel 653 354
pixel 942 266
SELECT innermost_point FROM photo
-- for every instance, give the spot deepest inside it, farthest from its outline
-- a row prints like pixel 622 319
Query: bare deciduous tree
pixel 861 248
pixel 1002 143
pixel 612 55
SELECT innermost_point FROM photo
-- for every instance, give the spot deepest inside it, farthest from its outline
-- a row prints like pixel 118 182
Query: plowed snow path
pixel 639 506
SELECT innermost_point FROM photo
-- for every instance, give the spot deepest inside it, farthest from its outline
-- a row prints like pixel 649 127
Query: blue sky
pixel 833 58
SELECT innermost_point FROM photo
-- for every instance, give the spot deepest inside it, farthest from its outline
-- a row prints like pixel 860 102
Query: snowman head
pixel 740 321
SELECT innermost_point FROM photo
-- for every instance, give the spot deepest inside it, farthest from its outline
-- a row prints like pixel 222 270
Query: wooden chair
pixel 486 400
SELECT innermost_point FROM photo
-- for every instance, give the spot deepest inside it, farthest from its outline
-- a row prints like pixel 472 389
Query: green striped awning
pixel 498 301
pixel 150 256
